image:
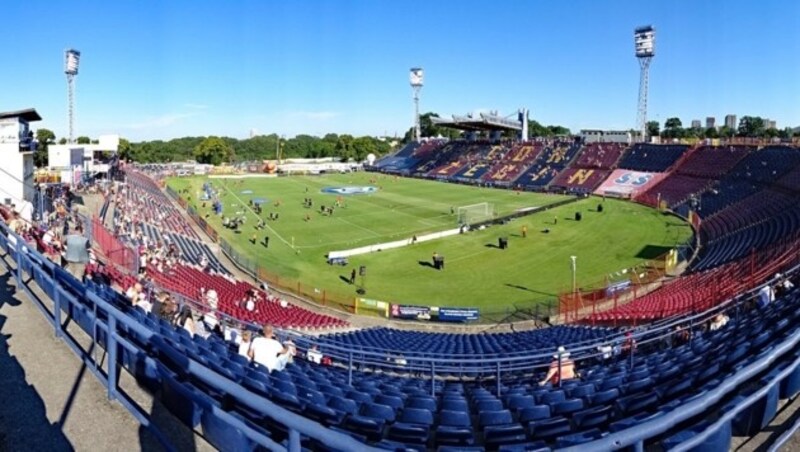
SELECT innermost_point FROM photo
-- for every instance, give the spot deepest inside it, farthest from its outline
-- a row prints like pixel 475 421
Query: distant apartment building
pixel 710 122
pixel 696 124
pixel 730 121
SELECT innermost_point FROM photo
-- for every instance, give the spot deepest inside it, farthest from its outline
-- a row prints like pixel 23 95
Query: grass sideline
pixel 532 270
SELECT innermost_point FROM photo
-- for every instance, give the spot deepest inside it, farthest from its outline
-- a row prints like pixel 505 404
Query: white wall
pixel 15 167
pixel 62 156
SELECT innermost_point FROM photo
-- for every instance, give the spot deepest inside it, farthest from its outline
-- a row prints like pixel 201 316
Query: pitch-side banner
pixel 627 183
pixel 458 314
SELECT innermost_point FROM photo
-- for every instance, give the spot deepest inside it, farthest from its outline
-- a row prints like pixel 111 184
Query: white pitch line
pixel 361 227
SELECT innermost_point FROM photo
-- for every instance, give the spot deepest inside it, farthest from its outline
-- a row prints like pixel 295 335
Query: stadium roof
pixel 482 122
pixel 28 114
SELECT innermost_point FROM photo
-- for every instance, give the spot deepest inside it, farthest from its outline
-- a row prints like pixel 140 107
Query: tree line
pixel 749 127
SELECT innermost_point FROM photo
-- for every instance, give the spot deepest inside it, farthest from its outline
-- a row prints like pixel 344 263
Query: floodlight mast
pixel 644 40
pixel 416 77
pixel 72 60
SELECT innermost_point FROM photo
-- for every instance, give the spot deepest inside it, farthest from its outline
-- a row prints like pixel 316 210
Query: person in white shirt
pixel 268 352
pixel 210 319
pixel 244 345
pixel 314 355
pixel 144 303
pixel 719 321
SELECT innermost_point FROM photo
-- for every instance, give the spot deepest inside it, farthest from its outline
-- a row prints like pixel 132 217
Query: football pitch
pixel 533 269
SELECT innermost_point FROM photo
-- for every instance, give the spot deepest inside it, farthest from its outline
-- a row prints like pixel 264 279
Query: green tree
pixel 771 133
pixel 84 140
pixel 45 137
pixel 751 126
pixel 124 149
pixel 673 128
pixel 711 132
pixel 213 150
pixel 62 141
pixel 726 132
pixel 653 128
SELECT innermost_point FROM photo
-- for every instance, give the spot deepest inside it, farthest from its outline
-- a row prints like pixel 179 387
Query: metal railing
pixel 118 328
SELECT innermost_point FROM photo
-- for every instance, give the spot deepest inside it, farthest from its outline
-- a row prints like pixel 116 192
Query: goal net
pixel 475 213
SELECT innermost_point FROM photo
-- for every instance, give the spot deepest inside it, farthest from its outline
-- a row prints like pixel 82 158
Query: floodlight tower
pixel 644 39
pixel 71 60
pixel 416 78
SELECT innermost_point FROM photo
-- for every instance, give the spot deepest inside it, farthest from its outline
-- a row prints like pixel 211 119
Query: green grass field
pixel 531 270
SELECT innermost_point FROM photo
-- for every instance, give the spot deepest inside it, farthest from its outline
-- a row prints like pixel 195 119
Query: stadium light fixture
pixel 72 60
pixel 416 78
pixel 574 272
pixel 644 39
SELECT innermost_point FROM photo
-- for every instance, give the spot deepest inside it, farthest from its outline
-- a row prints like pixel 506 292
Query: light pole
pixel 574 270
pixel 72 59
pixel 278 146
pixel 416 78
pixel 644 40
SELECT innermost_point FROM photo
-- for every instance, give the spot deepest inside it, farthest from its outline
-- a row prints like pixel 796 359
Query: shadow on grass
pixel 652 251
pixel 527 289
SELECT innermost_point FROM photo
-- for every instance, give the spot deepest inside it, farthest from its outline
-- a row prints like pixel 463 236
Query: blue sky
pixel 168 69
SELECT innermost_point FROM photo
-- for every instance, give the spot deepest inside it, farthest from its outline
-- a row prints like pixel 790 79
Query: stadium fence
pixel 112 248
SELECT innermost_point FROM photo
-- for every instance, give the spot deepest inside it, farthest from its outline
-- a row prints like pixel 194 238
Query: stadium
pixel 501 290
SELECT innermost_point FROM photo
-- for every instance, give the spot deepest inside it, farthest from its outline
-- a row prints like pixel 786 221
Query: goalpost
pixel 475 213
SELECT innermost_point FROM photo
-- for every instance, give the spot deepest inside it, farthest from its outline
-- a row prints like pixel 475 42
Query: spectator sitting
pixel 719 321
pixel 567 370
pixel 292 350
pixel 605 351
pixel 314 355
pixel 183 319
pixel 245 344
pixel 132 294
pixel 144 303
pixel 168 308
pixel 210 319
pixel 765 296
pixel 268 352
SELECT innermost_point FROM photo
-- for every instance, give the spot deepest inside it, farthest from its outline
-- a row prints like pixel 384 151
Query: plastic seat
pixel 604 397
pixel 597 416
pixel 498 417
pixel 426 403
pixel 181 399
pixel 489 405
pixel 534 413
pixel 454 428
pixel 578 438
pixel 412 426
pixel 395 402
pixel 567 407
pixel 343 405
pixel 455 405
pixel 519 402
pixel 548 429
pixel 222 435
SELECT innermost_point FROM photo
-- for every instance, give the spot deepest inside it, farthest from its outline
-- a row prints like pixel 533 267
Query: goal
pixel 475 213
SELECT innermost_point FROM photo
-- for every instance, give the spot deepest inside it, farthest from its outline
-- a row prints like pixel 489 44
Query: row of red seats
pixel 699 291
pixel 189 281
